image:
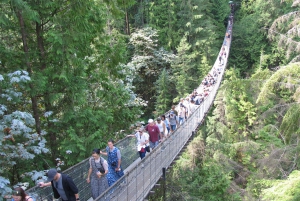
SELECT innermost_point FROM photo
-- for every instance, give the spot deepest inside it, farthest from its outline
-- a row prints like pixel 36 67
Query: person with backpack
pixel 173 121
pixel 97 174
pixel 173 109
pixel 63 186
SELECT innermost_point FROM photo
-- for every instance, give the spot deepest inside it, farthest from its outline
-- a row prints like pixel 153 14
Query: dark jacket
pixel 69 188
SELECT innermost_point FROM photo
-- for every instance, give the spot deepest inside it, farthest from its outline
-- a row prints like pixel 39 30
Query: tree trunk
pixel 40 43
pixel 48 106
pixel 142 15
pixel 34 102
pixel 127 26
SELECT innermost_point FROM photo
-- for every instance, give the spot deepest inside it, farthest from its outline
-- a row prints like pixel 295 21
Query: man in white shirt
pixel 142 141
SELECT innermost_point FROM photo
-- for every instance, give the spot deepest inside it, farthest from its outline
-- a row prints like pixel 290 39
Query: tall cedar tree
pixel 73 65
pixel 164 87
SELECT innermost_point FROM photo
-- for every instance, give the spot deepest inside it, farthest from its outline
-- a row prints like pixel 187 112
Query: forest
pixel 74 74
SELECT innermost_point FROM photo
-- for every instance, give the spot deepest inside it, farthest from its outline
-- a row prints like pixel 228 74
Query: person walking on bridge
pixel 173 121
pixel 115 171
pixel 167 123
pixel 142 141
pixel 97 174
pixel 154 133
pixel 162 127
pixel 63 186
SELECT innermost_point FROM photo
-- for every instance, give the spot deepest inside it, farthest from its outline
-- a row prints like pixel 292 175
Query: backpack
pixel 172 116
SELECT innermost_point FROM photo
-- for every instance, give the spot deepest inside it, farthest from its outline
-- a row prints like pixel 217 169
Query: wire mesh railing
pixel 139 179
pixel 79 172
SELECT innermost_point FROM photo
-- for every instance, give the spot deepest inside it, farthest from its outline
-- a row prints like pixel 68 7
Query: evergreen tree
pixel 185 70
pixel 284 31
pixel 163 16
pixel 250 35
pixel 164 92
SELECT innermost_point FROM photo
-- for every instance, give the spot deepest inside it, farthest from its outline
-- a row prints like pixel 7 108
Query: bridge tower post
pixel 164 182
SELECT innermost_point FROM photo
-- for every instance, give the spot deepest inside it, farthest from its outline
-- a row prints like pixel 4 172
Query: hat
pixel 141 129
pixel 150 121
pixel 172 112
pixel 51 174
pixel 158 119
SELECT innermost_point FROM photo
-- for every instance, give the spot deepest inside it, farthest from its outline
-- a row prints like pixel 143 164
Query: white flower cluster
pixel 4 186
pixel 68 152
pixel 19 76
pixel 3 108
pixel 48 114
pixel 10 95
pixel 17 128
pixel 37 176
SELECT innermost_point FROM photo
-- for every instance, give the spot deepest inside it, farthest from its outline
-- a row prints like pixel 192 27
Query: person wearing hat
pixel 63 186
pixel 154 133
pixel 142 141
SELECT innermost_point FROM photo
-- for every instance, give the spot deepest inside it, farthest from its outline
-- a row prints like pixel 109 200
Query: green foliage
pixel 290 122
pixel 163 98
pixel 185 69
pixel 166 22
pixel 200 179
pixel 281 83
pixel 239 109
pixel 72 53
pixel 250 36
pixel 283 190
pixel 253 131
pixel 247 43
pixel 254 126
pixel 268 134
pixel 148 62
pixel 81 92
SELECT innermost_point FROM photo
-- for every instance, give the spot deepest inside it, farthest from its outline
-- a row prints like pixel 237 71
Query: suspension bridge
pixel 142 175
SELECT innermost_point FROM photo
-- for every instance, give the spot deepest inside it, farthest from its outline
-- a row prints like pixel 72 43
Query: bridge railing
pixel 79 172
